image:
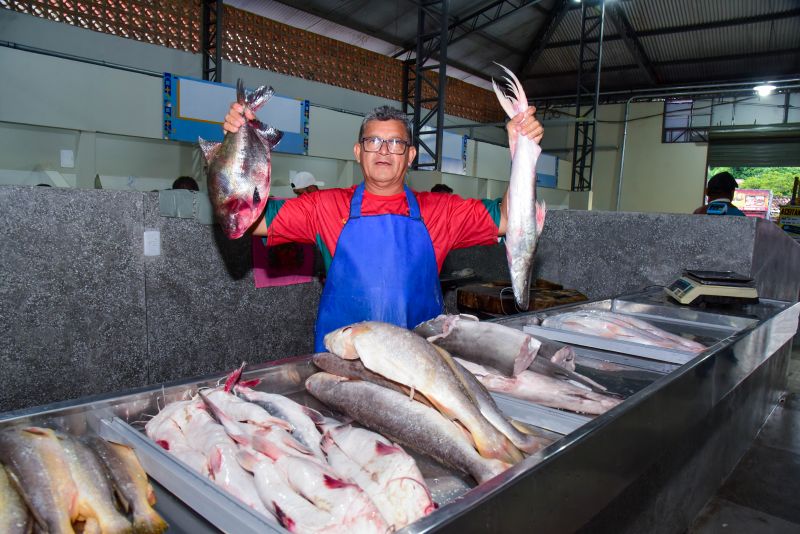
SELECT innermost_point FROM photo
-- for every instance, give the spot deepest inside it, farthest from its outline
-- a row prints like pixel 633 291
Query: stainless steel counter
pixel 677 412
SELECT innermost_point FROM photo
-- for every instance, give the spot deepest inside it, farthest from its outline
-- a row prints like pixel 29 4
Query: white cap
pixel 304 179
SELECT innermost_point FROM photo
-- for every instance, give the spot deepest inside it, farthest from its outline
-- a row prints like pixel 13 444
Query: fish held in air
pixel 38 465
pixel 239 167
pixel 402 356
pixel 405 421
pixel 131 484
pixel 525 214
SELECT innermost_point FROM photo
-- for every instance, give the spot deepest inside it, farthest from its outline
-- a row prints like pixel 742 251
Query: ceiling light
pixel 764 90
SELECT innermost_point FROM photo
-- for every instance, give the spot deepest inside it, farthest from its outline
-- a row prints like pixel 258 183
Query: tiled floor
pixel 762 495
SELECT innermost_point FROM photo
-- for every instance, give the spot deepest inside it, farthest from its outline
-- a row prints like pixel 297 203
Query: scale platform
pixel 713 287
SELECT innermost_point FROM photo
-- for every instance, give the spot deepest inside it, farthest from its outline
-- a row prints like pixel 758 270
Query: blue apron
pixel 384 269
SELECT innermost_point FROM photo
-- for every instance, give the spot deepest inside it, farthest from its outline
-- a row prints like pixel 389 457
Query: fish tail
pixel 259 97
pixel 240 95
pixel 519 102
pixel 148 522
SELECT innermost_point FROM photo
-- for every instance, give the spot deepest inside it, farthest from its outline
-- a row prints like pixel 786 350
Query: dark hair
pixel 441 188
pixel 185 182
pixel 721 183
pixel 386 113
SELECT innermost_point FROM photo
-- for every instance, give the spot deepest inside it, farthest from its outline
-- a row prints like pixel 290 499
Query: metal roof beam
pixel 479 19
pixel 628 35
pixel 671 63
pixel 548 28
pixel 693 27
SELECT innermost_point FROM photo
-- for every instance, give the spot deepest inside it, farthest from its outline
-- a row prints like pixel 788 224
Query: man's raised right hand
pixel 234 118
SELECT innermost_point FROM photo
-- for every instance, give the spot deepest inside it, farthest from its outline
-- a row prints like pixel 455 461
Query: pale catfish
pixel 402 356
pixel 525 213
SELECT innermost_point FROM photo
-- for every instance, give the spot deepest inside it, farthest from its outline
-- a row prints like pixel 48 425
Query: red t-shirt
pixel 452 222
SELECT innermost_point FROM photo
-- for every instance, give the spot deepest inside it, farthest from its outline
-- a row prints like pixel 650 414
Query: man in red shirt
pixel 384 244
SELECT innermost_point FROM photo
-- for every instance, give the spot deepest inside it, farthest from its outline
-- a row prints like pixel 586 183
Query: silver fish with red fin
pixel 239 167
pixel 525 213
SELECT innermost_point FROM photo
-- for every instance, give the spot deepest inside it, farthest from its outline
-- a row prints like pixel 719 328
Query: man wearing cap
pixel 720 191
pixel 383 244
pixel 304 182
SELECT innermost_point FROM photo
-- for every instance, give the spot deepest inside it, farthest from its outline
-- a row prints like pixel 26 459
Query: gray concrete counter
pixel 83 310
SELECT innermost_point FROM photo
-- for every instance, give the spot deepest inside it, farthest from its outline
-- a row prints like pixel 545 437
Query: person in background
pixel 304 182
pixel 720 194
pixel 441 188
pixel 185 182
pixel 384 244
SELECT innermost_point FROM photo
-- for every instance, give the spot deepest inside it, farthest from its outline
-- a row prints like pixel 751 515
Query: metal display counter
pixel 680 412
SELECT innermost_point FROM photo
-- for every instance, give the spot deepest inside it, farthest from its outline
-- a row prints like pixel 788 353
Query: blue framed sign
pixel 196 108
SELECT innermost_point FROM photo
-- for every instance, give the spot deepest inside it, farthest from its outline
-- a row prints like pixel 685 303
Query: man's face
pixel 382 168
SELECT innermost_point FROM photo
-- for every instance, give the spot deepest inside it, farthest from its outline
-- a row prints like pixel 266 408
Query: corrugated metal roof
pixel 682 40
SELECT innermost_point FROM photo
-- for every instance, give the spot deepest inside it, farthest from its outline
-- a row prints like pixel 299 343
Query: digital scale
pixel 713 287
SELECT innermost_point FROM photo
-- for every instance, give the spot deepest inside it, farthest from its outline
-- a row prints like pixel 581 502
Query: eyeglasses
pixel 374 144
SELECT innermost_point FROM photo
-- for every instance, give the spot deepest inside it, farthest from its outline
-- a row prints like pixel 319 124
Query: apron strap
pixel 358 197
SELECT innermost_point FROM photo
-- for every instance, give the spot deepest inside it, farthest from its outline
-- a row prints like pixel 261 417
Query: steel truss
pixel 211 41
pixel 590 59
pixel 422 91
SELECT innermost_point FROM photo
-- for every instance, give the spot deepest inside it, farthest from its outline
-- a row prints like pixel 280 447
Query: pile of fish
pixel 57 483
pixel 507 360
pixel 525 214
pixel 239 168
pixel 395 382
pixel 620 327
pixel 306 472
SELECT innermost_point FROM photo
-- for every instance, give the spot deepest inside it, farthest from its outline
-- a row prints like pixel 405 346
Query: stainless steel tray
pixel 122 418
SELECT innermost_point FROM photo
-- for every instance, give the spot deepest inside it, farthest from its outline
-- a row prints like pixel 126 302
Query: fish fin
pixel 382 449
pixel 247 459
pixel 457 370
pixel 259 97
pixel 296 445
pixel 520 99
pixel 505 102
pixel 240 94
pixel 313 414
pixel 411 394
pixel 231 427
pixel 209 148
pixel 263 445
pixel 336 483
pixel 283 518
pixel 468 317
pixel 234 378
pixel 267 134
pixel 541 211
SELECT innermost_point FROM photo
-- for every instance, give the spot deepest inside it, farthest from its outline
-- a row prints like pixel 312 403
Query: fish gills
pixel 34 457
pixel 525 214
pixel 402 420
pixel 131 483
